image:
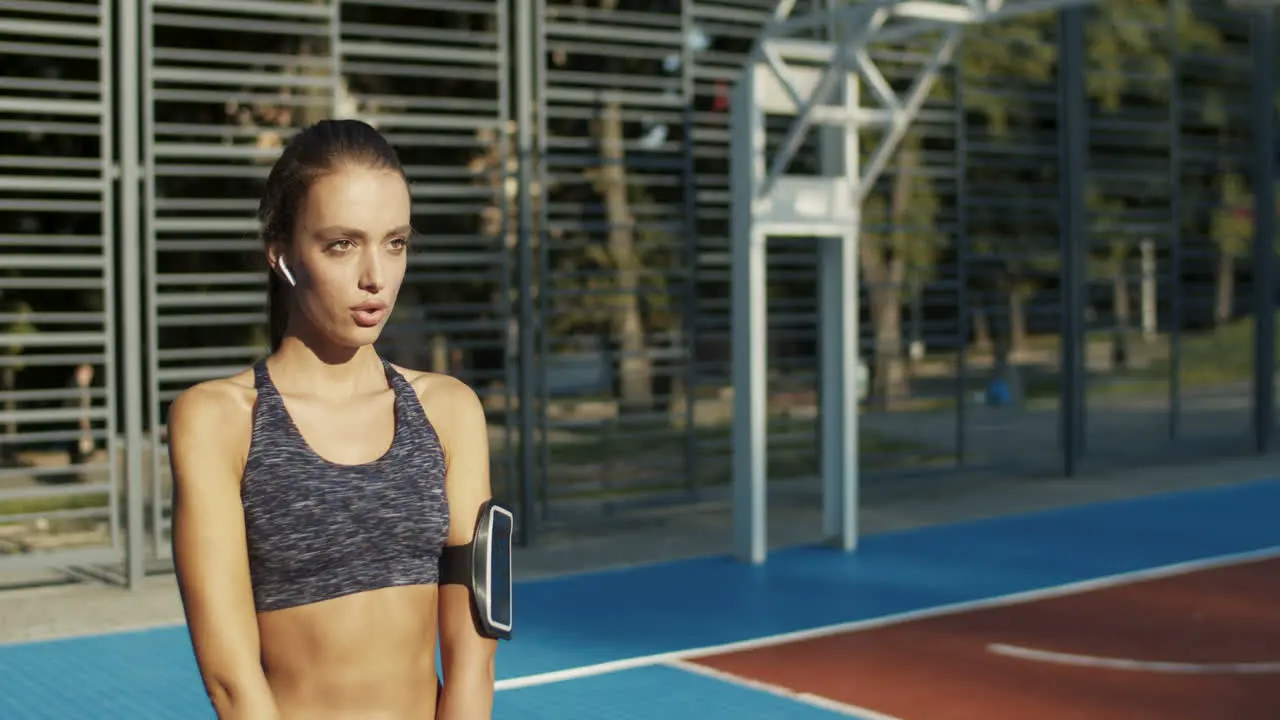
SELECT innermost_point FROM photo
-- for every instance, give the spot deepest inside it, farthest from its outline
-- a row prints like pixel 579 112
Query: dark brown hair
pixel 316 151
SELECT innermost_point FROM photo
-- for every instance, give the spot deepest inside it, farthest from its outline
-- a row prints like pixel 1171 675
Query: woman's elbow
pixel 476 666
pixel 236 699
pixel 468 689
pixel 486 670
pixel 221 696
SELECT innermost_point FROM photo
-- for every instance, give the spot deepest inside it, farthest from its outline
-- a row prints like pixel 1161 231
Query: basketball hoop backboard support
pixel 767 202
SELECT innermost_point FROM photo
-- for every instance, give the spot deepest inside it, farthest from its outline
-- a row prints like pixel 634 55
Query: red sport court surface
pixel 1201 645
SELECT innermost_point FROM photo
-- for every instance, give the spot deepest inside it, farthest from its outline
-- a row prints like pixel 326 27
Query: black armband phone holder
pixel 484 567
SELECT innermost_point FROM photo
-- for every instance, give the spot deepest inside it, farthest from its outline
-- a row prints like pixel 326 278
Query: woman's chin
pixel 358 336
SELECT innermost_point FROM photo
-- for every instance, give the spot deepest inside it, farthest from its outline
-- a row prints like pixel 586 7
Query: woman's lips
pixel 369 314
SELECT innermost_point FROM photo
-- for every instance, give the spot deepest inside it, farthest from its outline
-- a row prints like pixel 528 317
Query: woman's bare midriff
pixel 370 656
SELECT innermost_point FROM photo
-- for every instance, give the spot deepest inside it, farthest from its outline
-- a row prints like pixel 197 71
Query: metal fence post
pixel 1175 219
pixel 963 252
pixel 538 118
pixel 131 315
pixel 1262 44
pixel 524 140
pixel 1073 233
pixel 690 233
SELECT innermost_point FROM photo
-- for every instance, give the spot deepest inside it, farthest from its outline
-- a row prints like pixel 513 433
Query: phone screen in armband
pixel 502 524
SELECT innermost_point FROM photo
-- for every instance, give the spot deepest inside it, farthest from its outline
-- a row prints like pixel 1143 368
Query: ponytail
pixel 277 310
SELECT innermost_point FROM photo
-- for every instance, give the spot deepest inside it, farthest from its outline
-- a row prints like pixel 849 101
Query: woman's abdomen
pixel 369 655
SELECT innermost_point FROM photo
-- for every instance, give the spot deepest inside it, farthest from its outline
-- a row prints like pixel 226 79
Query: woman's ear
pixel 284 270
pixel 275 256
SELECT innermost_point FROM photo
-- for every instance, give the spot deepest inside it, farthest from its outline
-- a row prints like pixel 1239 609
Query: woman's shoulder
pixel 231 393
pixel 224 403
pixel 210 427
pixel 445 397
pixel 439 388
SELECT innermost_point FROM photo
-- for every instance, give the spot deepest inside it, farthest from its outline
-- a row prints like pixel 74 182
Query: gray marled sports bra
pixel 319 530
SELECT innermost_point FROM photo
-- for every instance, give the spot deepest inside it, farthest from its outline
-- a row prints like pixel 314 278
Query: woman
pixel 313 493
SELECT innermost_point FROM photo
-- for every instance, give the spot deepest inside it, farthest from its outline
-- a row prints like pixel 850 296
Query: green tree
pixel 587 296
pixel 1127 44
pixel 619 284
pixel 1231 228
pixel 1130 78
pixel 620 253
pixel 1004 66
pixel 898 252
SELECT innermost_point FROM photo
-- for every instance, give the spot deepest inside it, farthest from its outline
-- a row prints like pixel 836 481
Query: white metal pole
pixel 750 496
pixel 838 324
pixel 131 290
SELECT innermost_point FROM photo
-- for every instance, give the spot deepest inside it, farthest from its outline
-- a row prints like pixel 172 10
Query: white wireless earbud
pixel 284 270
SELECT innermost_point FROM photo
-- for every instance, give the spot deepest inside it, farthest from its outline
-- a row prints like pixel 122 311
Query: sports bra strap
pixel 398 382
pixel 261 379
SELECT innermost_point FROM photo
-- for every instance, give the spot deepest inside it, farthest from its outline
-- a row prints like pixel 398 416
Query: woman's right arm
pixel 208 432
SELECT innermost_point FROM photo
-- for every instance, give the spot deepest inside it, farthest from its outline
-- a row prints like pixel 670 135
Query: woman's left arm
pixel 467 656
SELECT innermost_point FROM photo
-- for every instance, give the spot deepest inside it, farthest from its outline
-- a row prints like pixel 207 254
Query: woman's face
pixel 349 253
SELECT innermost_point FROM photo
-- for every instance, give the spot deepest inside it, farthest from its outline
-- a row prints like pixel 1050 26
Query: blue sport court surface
pixel 611 644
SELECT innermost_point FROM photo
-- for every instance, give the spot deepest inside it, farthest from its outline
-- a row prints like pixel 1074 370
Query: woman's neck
pixel 339 374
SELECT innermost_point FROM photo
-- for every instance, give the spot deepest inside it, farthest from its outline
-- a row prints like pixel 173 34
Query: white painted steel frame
pixel 769 203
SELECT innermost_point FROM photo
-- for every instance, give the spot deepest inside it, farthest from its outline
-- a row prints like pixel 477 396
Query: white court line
pixel 1158 666
pixel 817 701
pixel 1100 583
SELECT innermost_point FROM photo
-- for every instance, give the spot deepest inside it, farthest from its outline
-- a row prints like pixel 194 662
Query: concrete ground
pixel 86 606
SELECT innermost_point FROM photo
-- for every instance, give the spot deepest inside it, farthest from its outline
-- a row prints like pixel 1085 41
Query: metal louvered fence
pixel 1061 266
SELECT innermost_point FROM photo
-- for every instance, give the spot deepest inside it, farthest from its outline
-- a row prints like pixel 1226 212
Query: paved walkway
pixel 1121 431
